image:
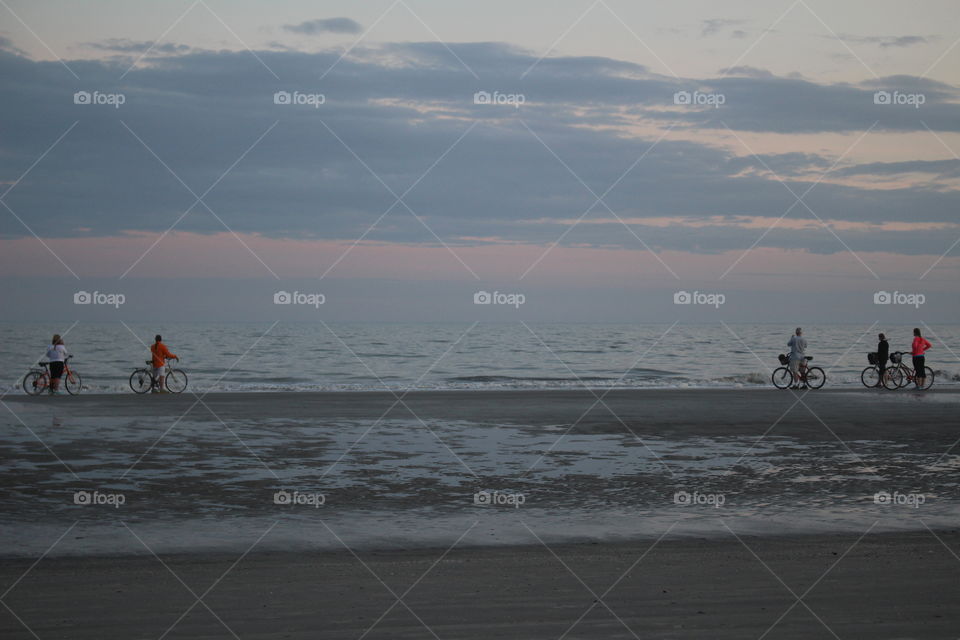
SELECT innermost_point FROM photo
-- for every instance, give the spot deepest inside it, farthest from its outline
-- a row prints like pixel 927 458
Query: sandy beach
pixel 884 586
pixel 380 489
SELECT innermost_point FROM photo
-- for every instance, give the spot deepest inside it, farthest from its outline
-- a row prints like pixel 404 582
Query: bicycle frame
pixel 43 380
pixel 158 381
pixel 908 374
pixel 784 376
pixel 802 369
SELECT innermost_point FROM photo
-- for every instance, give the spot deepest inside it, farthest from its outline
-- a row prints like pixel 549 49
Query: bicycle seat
pixel 42 364
pixel 809 357
pixel 149 361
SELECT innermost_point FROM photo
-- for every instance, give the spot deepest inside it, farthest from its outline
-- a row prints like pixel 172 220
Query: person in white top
pixel 798 356
pixel 56 355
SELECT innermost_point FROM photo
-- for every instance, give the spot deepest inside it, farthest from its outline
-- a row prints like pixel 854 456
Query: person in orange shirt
pixel 160 355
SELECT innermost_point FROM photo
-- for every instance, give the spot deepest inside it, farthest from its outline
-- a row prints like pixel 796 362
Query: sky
pixel 600 159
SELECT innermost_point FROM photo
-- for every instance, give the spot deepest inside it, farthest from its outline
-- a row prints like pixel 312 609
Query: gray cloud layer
pixel 399 108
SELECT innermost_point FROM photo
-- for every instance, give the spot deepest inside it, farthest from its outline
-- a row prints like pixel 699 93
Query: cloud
pixel 714 26
pixel 325 25
pixel 791 105
pixel 903 41
pixel 124 45
pixel 747 72
pixel 6 44
pixel 885 42
pixel 396 110
pixel 940 168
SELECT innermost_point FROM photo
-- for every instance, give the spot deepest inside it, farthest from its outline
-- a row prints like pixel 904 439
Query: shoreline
pixel 950 386
pixel 576 387
pixel 858 413
pixel 675 539
pixel 129 538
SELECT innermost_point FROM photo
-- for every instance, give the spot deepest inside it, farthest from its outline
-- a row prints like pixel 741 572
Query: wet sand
pixel 889 585
pixel 851 413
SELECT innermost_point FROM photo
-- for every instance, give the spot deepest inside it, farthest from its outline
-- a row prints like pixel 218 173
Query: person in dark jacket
pixel 883 354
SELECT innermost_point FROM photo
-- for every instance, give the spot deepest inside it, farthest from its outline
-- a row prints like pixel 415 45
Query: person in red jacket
pixel 920 346
pixel 160 355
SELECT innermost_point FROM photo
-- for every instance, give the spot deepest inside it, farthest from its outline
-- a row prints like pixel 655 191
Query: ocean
pixel 366 357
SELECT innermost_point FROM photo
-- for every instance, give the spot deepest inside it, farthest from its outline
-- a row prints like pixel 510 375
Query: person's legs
pixel 919 371
pixel 883 372
pixel 157 379
pixel 795 370
pixel 56 372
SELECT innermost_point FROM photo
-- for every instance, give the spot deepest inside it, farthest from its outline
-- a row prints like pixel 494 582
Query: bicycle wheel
pixel 894 378
pixel 176 381
pixel 782 378
pixel 870 377
pixel 35 382
pixel 907 376
pixel 141 380
pixel 928 378
pixel 815 377
pixel 72 383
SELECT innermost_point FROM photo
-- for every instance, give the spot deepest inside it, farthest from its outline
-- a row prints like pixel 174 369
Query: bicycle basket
pixel 784 360
pixel 895 357
pixel 872 357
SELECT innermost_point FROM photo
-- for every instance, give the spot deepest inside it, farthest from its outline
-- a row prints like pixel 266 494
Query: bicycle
pixel 37 380
pixel 901 375
pixel 812 377
pixel 142 380
pixel 870 377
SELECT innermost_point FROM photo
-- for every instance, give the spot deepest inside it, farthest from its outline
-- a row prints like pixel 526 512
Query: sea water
pixel 367 357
